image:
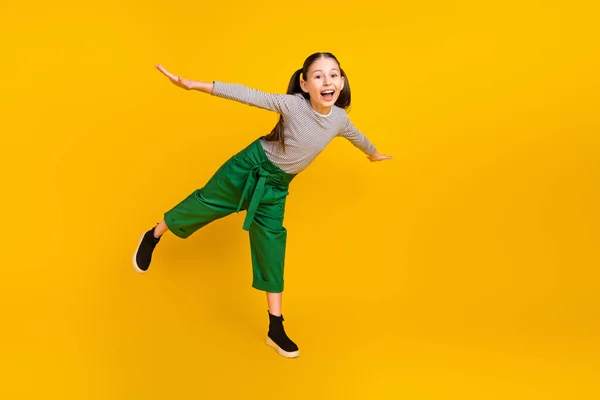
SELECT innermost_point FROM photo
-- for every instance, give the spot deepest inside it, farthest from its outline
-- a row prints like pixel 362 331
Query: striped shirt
pixel 306 132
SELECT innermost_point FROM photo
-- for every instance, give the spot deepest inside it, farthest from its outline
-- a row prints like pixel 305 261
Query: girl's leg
pixel 274 302
pixel 267 242
pixel 217 199
pixel 160 229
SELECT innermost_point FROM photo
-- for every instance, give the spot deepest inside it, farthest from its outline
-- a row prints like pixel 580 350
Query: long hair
pixel 294 87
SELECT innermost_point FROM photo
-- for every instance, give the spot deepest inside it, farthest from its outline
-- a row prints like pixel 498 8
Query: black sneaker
pixel 143 253
pixel 277 338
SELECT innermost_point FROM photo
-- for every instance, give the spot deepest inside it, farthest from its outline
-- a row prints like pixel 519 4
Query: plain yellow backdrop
pixel 465 268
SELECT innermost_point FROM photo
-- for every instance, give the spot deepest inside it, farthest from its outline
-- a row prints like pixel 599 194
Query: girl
pixel 256 179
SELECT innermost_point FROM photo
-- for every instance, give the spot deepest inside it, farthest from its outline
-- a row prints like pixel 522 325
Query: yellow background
pixel 466 268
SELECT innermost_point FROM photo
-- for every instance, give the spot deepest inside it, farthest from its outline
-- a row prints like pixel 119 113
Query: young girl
pixel 256 179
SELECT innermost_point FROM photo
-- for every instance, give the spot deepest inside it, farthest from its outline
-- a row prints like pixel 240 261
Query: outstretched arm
pixel 281 103
pixel 359 140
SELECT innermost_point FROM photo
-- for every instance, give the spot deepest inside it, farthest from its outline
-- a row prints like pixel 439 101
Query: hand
pixel 177 81
pixel 378 157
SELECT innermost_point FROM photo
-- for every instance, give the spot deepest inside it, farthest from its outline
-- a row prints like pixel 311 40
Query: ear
pixel 303 85
pixel 343 85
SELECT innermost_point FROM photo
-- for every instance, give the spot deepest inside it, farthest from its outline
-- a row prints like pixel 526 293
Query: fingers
pixel 165 72
pixel 380 157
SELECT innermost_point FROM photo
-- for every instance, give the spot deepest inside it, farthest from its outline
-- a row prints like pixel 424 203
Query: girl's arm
pixel 359 140
pixel 283 104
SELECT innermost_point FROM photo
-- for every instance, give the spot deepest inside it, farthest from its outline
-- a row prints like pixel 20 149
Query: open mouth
pixel 328 94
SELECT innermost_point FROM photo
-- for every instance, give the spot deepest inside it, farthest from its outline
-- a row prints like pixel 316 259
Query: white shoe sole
pixel 135 266
pixel 280 351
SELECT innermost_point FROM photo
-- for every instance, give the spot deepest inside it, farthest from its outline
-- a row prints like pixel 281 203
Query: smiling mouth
pixel 328 94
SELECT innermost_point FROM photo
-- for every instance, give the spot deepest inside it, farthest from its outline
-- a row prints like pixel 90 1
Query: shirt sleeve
pixel 280 103
pixel 359 140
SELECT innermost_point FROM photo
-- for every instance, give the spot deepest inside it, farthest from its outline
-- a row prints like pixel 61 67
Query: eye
pixel 334 76
pixel 318 77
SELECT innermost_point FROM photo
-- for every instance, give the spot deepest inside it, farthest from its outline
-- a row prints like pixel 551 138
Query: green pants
pixel 247 181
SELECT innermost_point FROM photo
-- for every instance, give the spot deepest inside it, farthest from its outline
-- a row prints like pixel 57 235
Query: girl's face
pixel 323 83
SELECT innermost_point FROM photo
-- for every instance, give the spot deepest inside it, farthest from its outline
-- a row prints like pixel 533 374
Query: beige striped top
pixel 307 132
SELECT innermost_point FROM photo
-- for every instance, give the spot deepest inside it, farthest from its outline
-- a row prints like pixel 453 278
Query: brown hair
pixel 343 100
